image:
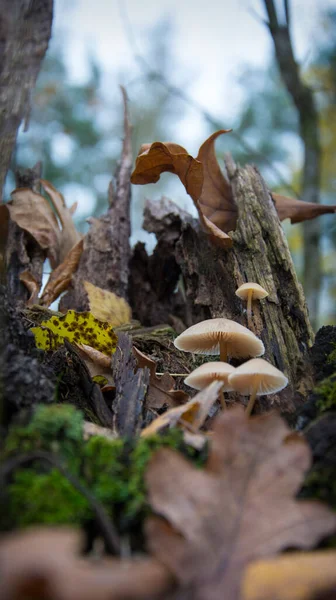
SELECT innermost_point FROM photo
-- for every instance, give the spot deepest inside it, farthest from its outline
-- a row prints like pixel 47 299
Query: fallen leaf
pixel 69 236
pixel 216 201
pixel 32 285
pixel 202 180
pixel 294 576
pixel 60 278
pixel 241 507
pixel 98 363
pixel 193 413
pixel 47 563
pixel 298 211
pixel 107 306
pixel 79 328
pixel 160 391
pixel 33 213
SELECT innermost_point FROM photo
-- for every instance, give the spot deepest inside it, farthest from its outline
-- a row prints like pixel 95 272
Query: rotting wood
pixel 131 388
pixel 210 277
pixel 105 258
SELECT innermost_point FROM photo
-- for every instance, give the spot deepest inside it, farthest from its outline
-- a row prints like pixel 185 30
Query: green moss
pixel 325 394
pixel 43 498
pixel 57 428
pixel 113 471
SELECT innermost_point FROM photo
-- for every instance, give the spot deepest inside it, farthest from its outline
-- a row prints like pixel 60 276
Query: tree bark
pixel 25 29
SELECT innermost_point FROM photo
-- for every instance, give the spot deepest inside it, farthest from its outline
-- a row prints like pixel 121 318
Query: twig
pixel 108 531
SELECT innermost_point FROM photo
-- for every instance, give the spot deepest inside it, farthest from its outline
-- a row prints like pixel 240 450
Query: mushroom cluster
pixel 229 339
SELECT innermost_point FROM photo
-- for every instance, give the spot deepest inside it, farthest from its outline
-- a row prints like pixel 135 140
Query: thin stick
pixel 223 350
pixel 252 399
pixel 222 399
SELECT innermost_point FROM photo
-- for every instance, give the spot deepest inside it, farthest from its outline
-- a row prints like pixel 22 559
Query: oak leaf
pixel 240 508
pixel 161 388
pixel 193 413
pixel 216 201
pixel 294 576
pixel 107 306
pixel 201 177
pixel 48 563
pixel 298 211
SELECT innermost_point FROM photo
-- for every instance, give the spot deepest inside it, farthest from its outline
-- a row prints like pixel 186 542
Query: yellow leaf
pixel 107 306
pixel 294 576
pixel 81 328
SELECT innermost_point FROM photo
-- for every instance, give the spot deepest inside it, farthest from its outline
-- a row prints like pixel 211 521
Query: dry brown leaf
pixel 241 507
pixel 33 213
pixel 294 576
pixel 32 285
pixel 69 236
pixel 160 391
pixel 60 278
pixel 297 210
pixel 97 362
pixel 193 413
pixel 45 564
pixel 216 201
pixel 107 306
pixel 202 181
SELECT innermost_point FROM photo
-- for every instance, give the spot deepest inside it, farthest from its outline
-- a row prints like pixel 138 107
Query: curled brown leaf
pixel 241 507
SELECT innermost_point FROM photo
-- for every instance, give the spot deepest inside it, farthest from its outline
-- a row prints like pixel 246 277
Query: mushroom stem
pixel 249 307
pixel 223 350
pixel 222 399
pixel 253 396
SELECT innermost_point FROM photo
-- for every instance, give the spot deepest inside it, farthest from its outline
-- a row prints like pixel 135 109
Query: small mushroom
pixel 209 372
pixel 257 377
pixel 220 336
pixel 251 291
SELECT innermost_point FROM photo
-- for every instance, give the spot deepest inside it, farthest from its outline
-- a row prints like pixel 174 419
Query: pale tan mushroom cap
pixel 270 380
pixel 258 291
pixel 203 338
pixel 209 372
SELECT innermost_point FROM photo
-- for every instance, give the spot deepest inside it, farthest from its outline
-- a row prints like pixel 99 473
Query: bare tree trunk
pixel 25 29
pixel 304 102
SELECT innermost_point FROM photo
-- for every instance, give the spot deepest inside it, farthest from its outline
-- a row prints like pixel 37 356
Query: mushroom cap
pixel 258 292
pixel 209 372
pixel 204 338
pixel 269 378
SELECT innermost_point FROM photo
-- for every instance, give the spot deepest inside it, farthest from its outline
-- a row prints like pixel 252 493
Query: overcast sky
pixel 215 39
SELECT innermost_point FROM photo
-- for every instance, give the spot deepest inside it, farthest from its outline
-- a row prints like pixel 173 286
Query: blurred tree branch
pixel 303 99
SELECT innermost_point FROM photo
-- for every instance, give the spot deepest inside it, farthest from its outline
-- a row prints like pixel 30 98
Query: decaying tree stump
pixel 197 280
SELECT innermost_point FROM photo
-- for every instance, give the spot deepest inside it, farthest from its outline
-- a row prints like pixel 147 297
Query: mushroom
pixel 251 291
pixel 220 336
pixel 209 372
pixel 257 377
